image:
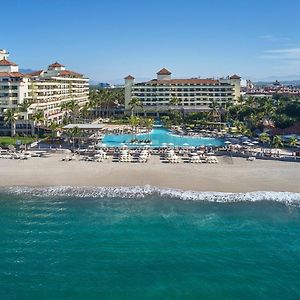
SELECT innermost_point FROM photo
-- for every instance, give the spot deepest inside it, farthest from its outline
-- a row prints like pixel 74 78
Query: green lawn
pixel 7 140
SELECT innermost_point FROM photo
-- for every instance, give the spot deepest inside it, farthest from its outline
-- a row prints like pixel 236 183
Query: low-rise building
pixel 192 94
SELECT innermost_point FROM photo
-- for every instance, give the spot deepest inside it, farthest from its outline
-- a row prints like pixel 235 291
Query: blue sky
pixel 107 40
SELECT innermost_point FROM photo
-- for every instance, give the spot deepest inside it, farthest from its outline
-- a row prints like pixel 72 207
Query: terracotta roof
pixel 56 65
pixel 295 129
pixel 35 73
pixel 164 71
pixel 235 77
pixel 129 77
pixel 11 74
pixel 69 73
pixel 184 81
pixel 5 62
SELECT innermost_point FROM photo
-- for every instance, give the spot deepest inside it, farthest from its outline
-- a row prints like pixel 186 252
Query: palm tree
pixel 85 110
pixel 149 124
pixel 73 108
pixel 38 118
pixel 277 141
pixel 74 132
pixel 293 141
pixel 174 101
pixel 264 138
pixel 10 117
pixel 215 111
pixel 54 127
pixel 134 122
pixel 134 103
pixel 23 107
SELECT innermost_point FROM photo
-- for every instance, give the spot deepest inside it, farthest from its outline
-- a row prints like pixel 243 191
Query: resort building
pixel 49 89
pixel 45 91
pixel 13 84
pixel 192 94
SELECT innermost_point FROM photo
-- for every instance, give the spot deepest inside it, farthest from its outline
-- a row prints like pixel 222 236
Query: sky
pixel 107 40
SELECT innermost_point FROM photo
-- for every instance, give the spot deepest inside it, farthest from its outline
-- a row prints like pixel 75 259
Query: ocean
pixel 147 243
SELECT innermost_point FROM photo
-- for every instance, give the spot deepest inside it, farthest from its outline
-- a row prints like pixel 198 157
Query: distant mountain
pixel 26 71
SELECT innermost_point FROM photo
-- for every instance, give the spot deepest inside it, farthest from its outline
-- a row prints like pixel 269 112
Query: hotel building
pixel 45 90
pixel 49 89
pixel 193 94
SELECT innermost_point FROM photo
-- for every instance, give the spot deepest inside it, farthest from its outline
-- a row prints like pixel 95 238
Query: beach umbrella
pixel 227 142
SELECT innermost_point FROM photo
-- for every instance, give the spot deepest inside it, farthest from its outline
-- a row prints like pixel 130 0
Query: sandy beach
pixel 239 176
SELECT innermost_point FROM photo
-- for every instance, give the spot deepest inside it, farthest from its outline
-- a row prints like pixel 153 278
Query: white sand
pixel 241 176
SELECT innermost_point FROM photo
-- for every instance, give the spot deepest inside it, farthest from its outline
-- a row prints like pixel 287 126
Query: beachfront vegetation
pixel 6 140
pixel 248 116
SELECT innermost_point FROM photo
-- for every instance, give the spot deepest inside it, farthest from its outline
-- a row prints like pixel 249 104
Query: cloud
pixel 282 54
pixel 267 37
pixel 272 38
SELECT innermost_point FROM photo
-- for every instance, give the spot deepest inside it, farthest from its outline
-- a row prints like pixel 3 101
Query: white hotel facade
pixel 46 90
pixel 193 94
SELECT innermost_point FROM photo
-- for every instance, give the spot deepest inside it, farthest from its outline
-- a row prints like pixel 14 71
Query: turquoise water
pixel 158 136
pixel 55 246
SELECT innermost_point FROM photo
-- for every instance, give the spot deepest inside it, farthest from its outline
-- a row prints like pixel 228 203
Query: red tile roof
pixel 5 62
pixel 56 65
pixel 69 73
pixel 129 77
pixel 235 77
pixel 295 129
pixel 35 73
pixel 164 71
pixel 11 74
pixel 184 81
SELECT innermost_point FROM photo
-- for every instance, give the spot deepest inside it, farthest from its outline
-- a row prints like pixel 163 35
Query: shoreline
pixel 240 177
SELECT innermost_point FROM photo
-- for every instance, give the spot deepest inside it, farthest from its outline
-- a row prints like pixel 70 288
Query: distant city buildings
pixel 44 90
pixel 276 88
pixel 192 94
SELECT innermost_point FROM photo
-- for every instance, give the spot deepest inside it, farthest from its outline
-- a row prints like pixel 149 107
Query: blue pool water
pixel 116 245
pixel 159 136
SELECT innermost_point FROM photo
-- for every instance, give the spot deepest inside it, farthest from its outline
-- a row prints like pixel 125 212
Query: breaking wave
pixel 146 191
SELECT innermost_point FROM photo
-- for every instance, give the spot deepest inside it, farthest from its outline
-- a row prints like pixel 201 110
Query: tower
pixel 236 81
pixel 129 82
pixel 163 74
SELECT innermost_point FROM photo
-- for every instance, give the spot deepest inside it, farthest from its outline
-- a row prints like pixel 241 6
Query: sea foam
pixel 146 191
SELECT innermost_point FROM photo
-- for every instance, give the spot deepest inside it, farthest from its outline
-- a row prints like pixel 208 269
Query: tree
pixel 134 103
pixel 214 112
pixel 54 127
pixel 148 124
pixel 293 141
pixel 85 110
pixel 74 132
pixel 134 122
pixel 264 138
pixel 38 118
pixel 10 117
pixel 23 107
pixel 73 108
pixel 174 101
pixel 277 141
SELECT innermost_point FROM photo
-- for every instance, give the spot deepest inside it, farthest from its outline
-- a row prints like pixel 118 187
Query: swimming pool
pixel 160 136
